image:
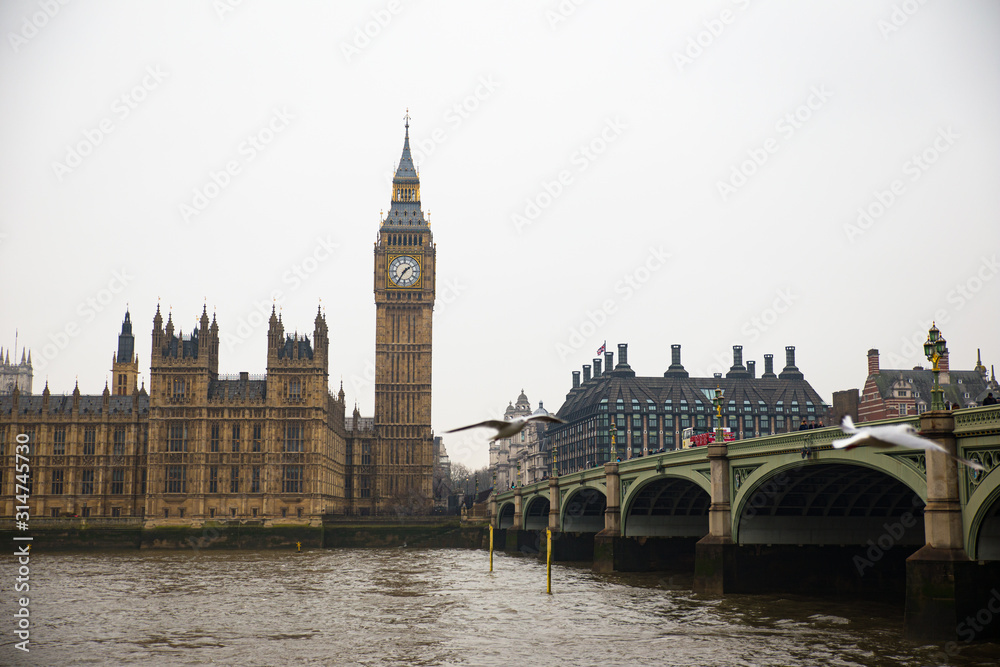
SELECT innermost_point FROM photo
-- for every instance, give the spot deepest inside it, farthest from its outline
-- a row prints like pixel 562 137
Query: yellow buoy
pixel 548 559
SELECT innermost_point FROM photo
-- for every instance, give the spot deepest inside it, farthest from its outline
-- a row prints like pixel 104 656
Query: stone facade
pixel 522 459
pixel 15 375
pixel 404 304
pixel 202 446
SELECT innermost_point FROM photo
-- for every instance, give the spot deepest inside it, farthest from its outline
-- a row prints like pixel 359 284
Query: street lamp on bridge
pixel 613 454
pixel 934 348
pixel 717 401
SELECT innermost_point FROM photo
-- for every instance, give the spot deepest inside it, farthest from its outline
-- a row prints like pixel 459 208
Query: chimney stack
pixel 752 368
pixel 609 361
pixel 623 354
pixel 790 372
pixel 676 369
pixel 737 370
pixel 768 367
pixel 597 368
pixel 873 362
pixel 586 372
pixel 576 379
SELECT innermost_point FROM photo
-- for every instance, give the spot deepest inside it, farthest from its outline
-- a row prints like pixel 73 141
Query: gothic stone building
pixel 15 374
pixel 522 458
pixel 203 446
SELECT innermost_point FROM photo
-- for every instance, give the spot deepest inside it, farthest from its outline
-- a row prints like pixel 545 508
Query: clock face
pixel 404 271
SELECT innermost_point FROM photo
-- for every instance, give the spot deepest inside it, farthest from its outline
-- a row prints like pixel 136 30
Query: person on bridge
pixel 989 400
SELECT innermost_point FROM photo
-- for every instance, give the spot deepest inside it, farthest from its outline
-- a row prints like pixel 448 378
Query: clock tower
pixel 404 304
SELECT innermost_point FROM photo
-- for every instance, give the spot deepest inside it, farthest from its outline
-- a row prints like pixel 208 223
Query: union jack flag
pixel 603 347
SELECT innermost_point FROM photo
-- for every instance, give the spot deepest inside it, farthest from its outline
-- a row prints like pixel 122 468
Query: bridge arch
pixel 666 506
pixel 828 501
pixel 505 515
pixel 583 510
pixel 536 513
pixel 983 536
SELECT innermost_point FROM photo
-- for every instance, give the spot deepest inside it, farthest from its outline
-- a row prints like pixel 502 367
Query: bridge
pixel 788 513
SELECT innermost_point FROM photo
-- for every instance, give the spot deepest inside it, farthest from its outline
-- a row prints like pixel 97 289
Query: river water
pixel 428 607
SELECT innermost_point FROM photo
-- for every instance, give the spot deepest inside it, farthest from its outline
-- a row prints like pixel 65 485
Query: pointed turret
pixel 126 341
pixel 405 208
pixel 979 365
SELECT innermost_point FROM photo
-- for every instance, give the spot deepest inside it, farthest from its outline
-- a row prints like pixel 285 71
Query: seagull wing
pixel 903 437
pixel 972 464
pixel 855 440
pixel 489 423
pixel 900 435
pixel 847 425
pixel 552 419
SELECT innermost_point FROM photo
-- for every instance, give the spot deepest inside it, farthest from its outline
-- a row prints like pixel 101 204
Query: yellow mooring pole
pixel 548 560
pixel 491 547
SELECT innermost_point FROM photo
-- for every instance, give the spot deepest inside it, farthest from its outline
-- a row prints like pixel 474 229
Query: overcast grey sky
pixel 817 174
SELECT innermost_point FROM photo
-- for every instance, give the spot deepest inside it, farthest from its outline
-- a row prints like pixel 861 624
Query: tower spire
pixel 405 209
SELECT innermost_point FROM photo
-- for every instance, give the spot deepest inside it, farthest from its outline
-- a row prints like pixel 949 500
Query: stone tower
pixel 404 303
pixel 125 364
pixel 15 375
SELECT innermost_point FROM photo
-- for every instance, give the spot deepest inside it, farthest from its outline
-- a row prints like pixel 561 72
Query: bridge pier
pixel 568 547
pixel 554 508
pixel 715 554
pixel 518 519
pixel 609 544
pixel 941 586
pixel 525 542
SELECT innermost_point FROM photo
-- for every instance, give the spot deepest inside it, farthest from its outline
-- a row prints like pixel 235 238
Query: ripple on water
pixel 427 607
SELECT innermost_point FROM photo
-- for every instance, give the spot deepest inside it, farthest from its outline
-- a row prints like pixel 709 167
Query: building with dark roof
pixel 899 392
pixel 651 413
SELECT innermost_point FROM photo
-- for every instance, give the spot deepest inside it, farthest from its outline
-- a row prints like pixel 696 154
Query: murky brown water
pixel 414 607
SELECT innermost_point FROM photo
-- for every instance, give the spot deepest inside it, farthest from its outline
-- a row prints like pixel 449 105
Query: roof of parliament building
pixel 676 391
pixel 63 405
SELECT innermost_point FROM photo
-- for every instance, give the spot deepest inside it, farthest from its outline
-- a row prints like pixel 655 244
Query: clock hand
pixel 403 272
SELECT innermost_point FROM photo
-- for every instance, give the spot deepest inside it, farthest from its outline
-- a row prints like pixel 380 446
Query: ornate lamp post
pixel 613 454
pixel 555 462
pixel 519 472
pixel 934 348
pixel 717 401
pixel 494 481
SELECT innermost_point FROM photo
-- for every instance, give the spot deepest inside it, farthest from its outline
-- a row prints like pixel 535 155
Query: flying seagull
pixel 507 429
pixel 892 435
